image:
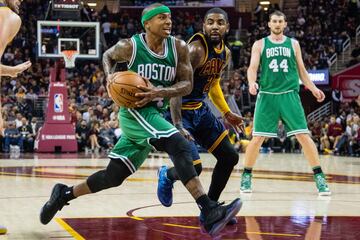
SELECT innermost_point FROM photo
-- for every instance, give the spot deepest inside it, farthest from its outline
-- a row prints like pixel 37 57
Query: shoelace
pixel 168 186
pixel 220 203
pixel 321 181
pixel 246 179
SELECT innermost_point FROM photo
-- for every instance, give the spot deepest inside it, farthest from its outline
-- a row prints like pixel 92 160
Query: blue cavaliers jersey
pixel 209 71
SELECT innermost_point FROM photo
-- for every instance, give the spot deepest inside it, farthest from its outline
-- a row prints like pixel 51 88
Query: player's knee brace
pixel 178 147
pixel 226 154
pixel 113 176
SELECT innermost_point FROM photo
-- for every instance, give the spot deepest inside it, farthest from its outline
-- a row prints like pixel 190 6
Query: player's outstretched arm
pixel 304 76
pixel 253 67
pixel 10 25
pixel 13 71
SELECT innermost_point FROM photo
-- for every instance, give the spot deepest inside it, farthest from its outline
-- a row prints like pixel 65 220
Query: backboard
pixel 53 37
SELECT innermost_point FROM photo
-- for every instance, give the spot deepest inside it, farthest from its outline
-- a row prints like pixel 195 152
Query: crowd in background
pixel 320 26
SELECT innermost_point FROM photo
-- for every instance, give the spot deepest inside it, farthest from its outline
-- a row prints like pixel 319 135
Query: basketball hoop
pixel 69 57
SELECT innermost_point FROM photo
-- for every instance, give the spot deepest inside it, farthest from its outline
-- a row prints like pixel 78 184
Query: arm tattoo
pixel 175 109
pixel 120 52
pixel 184 74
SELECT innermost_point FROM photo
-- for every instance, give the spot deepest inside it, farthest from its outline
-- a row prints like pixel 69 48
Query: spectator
pixel 337 98
pixel 282 142
pixel 18 120
pixel 107 136
pixel 333 134
pixel 35 125
pixel 315 130
pixel 27 135
pixel 24 108
pixel 106 28
pixel 82 133
pixel 13 137
pixel 94 137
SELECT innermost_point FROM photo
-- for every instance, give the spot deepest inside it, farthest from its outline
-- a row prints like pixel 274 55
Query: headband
pixel 153 12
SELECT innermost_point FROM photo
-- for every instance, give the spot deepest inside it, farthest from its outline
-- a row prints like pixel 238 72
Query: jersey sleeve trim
pixel 201 37
pixel 133 55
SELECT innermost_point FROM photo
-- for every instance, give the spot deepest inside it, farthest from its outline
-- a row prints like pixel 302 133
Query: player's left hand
pixel 19 69
pixel 150 93
pixel 318 94
pixel 235 120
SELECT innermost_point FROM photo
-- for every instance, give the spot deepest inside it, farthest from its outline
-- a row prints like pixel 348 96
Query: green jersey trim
pixel 297 132
pixel 293 41
pixel 147 126
pixel 276 93
pixel 133 55
pixel 262 46
pixel 264 134
pixel 173 43
pixel 283 41
pixel 125 160
pixel 165 45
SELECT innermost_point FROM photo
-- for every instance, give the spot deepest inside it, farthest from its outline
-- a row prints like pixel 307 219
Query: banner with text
pixel 348 81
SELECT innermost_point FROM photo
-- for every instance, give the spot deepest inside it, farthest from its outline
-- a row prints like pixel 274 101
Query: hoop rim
pixel 69 57
pixel 69 53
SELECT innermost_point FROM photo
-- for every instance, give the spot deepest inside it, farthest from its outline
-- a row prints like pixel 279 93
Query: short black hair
pixel 217 10
pixel 277 13
pixel 150 7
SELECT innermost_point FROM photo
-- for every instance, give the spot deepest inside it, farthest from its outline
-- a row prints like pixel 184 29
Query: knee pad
pixel 114 174
pixel 179 148
pixel 226 154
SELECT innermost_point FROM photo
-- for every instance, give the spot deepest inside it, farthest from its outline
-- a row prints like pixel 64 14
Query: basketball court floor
pixel 284 204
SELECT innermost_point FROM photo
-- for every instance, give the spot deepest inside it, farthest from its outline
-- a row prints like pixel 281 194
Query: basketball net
pixel 69 57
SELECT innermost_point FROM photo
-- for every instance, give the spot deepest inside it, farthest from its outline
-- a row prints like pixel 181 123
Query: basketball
pixel 123 86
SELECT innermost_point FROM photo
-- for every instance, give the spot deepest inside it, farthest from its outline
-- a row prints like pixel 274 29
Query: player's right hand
pixel 253 87
pixel 148 94
pixel 19 68
pixel 186 134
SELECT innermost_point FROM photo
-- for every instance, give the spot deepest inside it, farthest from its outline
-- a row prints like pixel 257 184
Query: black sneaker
pixel 220 215
pixel 232 221
pixel 55 203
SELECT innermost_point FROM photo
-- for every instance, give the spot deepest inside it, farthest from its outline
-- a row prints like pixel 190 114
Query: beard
pixel 214 41
pixel 277 32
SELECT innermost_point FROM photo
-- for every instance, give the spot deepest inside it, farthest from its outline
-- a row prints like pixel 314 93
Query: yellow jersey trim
pixel 191 105
pixel 205 43
pixel 218 141
pixel 196 162
pixel 218 51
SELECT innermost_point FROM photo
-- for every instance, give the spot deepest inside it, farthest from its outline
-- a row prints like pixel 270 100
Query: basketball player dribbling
pixel 164 61
pixel 10 23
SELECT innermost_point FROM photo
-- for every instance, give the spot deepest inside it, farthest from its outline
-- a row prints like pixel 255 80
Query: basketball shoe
pixel 220 215
pixel 245 185
pixel 165 186
pixel 321 184
pixel 55 203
